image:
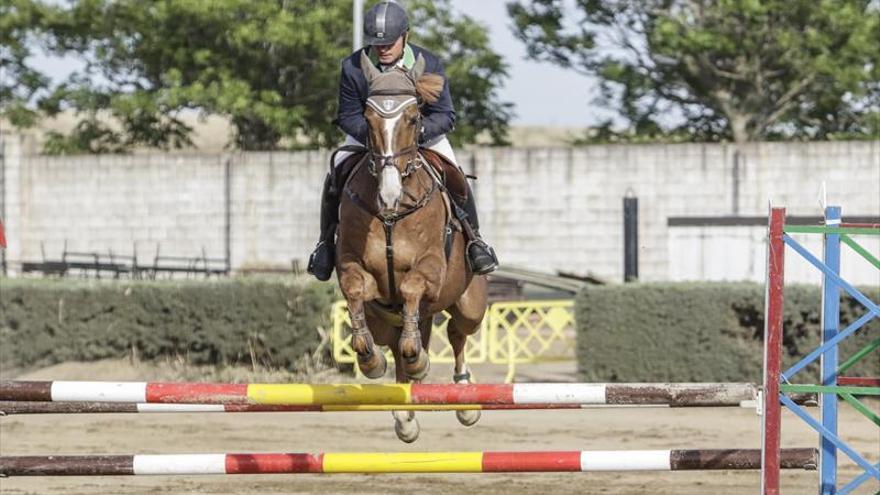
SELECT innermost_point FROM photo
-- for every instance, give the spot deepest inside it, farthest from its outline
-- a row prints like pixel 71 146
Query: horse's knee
pixel 356 285
pixel 412 288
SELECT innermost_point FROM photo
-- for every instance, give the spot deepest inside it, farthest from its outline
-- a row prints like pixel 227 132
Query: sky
pixel 542 94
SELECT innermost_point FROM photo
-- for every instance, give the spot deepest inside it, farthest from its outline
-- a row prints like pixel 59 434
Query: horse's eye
pixel 414 120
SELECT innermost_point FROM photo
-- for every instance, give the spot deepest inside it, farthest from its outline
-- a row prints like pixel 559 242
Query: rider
pixel 386 29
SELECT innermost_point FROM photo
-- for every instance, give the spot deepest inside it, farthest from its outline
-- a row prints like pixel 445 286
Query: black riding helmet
pixel 384 23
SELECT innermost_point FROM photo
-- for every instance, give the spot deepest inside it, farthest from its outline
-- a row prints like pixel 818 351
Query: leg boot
pixel 481 257
pixel 323 258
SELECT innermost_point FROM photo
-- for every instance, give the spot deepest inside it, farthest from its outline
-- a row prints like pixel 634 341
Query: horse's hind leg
pixel 357 286
pixel 465 318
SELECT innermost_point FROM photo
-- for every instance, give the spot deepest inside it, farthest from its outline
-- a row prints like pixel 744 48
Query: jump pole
pixel 400 462
pixel 669 394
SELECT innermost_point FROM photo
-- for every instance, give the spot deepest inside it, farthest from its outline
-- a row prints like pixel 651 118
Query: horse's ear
pixel 418 68
pixel 370 70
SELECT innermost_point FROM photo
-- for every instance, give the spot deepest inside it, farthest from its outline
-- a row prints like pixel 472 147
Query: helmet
pixel 384 23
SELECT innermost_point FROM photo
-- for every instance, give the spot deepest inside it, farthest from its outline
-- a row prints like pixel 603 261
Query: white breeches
pixel 439 144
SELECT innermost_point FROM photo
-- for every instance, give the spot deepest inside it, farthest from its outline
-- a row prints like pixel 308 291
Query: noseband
pixel 378 162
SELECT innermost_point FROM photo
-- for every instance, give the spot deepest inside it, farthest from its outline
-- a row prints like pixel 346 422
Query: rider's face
pixel 389 54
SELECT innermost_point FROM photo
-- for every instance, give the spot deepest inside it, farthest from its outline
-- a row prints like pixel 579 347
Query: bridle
pixel 376 163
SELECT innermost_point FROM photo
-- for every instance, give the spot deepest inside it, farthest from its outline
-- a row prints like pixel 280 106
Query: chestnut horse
pixel 400 254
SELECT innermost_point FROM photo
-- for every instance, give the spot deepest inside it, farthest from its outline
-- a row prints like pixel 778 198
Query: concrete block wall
pixel 119 204
pixel 542 208
pixel 563 208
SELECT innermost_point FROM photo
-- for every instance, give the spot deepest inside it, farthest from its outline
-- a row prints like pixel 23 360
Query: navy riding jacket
pixel 437 118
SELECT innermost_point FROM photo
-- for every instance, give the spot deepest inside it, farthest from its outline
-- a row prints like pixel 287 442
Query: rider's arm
pixel 438 117
pixel 350 117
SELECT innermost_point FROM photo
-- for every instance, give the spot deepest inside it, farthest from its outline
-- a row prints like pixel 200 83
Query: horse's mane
pixel 429 87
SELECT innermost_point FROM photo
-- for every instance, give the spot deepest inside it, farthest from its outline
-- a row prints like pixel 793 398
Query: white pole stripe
pixel 180 464
pixel 160 408
pixel 626 460
pixel 99 391
pixel 559 393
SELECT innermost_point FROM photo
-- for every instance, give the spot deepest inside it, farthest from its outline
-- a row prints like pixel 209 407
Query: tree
pixel 270 66
pixel 20 83
pixel 723 69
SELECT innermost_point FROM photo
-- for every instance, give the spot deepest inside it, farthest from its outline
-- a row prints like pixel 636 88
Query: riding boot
pixel 481 257
pixel 323 258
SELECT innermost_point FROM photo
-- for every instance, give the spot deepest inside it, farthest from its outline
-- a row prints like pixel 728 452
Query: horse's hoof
pixel 407 428
pixel 468 418
pixel 374 366
pixel 417 368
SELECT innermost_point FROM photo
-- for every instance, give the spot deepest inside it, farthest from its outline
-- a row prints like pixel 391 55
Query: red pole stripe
pixel 269 408
pixel 858 381
pixel 501 462
pixel 184 393
pixel 852 225
pixel 274 463
pixel 462 394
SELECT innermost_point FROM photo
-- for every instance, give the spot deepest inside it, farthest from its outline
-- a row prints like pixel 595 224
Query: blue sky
pixel 543 94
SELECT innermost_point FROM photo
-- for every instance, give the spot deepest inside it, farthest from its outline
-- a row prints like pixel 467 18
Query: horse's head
pixel 393 115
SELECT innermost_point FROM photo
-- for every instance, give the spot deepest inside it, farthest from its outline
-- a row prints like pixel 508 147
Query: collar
pixel 406 62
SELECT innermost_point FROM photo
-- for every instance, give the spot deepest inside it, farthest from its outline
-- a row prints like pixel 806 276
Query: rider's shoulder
pixel 353 60
pixel 431 60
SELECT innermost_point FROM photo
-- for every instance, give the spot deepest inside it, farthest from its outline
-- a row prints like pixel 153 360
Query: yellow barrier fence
pixel 512 333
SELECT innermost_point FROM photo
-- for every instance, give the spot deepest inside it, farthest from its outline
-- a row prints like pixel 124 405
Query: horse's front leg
pixel 358 286
pixel 415 288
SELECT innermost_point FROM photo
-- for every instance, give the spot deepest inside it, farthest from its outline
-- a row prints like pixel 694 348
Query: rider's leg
pixel 481 256
pixel 323 258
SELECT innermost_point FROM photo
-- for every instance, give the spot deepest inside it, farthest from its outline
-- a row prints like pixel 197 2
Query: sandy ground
pixel 593 429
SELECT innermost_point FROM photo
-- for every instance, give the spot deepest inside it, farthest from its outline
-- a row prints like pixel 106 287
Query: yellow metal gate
pixel 512 333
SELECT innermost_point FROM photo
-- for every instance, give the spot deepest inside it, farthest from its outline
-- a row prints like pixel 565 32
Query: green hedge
pixel 712 332
pixel 270 323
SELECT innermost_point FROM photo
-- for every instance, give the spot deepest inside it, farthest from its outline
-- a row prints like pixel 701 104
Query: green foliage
pixel 733 69
pixel 21 21
pixel 270 66
pixel 711 332
pixel 227 322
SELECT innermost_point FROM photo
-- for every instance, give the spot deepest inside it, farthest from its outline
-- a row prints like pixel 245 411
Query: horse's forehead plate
pixel 390 106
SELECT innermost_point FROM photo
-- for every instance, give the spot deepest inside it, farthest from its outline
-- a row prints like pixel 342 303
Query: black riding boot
pixel 481 257
pixel 323 258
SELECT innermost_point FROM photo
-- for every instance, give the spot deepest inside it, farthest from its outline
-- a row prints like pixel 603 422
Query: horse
pixel 400 257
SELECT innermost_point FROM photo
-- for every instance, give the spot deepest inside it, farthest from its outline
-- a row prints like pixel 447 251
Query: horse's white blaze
pixel 389 125
pixel 390 186
pixel 390 182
